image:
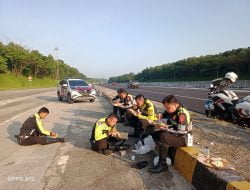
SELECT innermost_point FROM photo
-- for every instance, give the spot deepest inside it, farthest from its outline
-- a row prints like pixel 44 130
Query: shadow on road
pixel 13 129
pixel 48 98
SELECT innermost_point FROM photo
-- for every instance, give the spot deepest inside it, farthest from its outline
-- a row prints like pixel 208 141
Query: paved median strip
pixel 196 173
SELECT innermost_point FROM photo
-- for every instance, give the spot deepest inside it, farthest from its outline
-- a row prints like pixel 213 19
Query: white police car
pixel 75 90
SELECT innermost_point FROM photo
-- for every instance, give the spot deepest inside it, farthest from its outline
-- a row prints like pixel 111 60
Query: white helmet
pixel 231 76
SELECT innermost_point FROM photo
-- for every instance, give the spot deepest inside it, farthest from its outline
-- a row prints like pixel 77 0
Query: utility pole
pixel 57 63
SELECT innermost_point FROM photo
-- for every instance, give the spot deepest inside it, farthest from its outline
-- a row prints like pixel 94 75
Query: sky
pixel 104 38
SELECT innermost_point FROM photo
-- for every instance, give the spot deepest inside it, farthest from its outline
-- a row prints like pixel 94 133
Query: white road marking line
pixel 165 87
pixel 175 95
pixel 4 102
pixel 14 117
pixel 62 162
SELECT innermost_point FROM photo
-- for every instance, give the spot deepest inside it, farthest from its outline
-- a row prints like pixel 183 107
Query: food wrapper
pixel 213 162
pixel 123 135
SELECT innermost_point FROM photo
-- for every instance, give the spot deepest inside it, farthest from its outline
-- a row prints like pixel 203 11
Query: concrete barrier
pixel 204 178
pixel 200 176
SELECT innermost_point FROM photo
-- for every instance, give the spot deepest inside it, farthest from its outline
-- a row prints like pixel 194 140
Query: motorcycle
pixel 225 105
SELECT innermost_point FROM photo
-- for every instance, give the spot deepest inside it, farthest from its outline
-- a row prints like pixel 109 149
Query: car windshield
pixel 77 83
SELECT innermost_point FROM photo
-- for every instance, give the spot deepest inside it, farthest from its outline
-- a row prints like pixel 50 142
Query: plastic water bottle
pixel 189 139
pixel 168 161
pixel 206 152
pixel 132 156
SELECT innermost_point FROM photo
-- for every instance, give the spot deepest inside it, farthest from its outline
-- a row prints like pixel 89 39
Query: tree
pixel 197 68
pixel 3 65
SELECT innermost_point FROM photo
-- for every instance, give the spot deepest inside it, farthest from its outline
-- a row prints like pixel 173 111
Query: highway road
pixel 192 98
pixel 69 165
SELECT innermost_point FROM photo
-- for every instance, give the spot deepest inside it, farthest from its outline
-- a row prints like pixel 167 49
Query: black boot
pixel 121 147
pixel 160 167
pixel 50 140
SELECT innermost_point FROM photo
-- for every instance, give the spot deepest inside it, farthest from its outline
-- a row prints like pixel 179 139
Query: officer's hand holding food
pixel 134 106
pixel 159 116
pixel 113 133
pixel 117 104
pixel 118 135
pixel 135 113
pixel 160 124
pixel 150 121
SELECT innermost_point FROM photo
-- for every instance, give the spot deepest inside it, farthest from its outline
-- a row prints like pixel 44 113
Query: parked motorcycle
pixel 225 104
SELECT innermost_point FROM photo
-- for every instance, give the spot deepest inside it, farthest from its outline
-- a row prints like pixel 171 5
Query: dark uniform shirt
pixel 127 101
pixel 33 127
pixel 180 120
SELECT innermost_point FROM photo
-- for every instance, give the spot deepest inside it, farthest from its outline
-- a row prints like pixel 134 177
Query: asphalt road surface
pixel 69 165
pixel 192 98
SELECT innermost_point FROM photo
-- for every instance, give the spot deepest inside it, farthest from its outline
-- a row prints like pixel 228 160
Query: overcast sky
pixel 104 38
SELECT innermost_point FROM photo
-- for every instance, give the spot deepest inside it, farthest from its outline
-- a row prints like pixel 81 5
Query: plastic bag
pixel 150 142
pixel 149 145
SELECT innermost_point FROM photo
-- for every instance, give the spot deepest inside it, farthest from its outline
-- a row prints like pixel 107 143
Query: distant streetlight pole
pixel 57 63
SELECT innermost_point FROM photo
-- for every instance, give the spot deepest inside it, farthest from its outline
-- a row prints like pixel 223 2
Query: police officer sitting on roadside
pixel 116 100
pixel 121 103
pixel 174 133
pixel 105 138
pixel 142 115
pixel 32 131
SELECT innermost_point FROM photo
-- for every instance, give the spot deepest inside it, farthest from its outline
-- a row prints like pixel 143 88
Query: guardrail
pixel 195 84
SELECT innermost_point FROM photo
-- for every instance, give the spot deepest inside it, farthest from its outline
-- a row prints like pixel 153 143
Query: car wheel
pixel 70 101
pixel 59 97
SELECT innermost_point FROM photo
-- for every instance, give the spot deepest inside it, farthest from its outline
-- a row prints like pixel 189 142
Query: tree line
pixel 18 60
pixel 195 68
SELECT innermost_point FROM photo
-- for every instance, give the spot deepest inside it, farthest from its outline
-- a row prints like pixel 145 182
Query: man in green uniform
pixel 32 131
pixel 176 132
pixel 105 135
pixel 142 116
pixel 121 103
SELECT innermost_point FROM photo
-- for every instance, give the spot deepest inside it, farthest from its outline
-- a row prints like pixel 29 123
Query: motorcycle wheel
pixel 244 122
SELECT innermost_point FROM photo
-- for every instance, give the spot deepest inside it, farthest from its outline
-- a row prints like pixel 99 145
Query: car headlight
pixel 93 91
pixel 75 93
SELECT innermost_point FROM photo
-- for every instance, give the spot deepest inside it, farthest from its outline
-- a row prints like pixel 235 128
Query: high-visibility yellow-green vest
pixel 183 110
pixel 185 124
pixel 40 125
pixel 101 129
pixel 148 111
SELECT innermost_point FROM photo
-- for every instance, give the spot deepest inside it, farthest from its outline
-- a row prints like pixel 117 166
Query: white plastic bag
pixel 150 142
pixel 149 145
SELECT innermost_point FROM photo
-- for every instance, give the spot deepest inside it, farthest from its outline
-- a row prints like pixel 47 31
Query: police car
pixel 75 90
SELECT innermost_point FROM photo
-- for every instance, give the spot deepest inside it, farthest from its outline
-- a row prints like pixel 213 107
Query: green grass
pixel 9 81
